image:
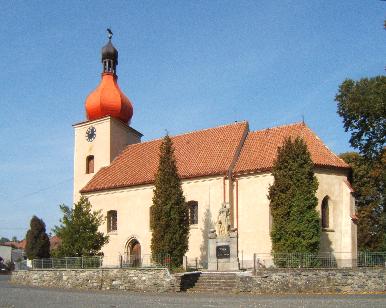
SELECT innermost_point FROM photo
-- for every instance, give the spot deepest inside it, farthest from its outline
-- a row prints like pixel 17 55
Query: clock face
pixel 90 134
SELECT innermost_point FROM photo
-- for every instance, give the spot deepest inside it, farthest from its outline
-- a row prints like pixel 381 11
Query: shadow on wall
pixel 325 242
pixel 327 257
pixel 208 224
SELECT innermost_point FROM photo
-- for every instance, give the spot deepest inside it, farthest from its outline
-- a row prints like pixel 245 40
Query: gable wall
pixel 254 214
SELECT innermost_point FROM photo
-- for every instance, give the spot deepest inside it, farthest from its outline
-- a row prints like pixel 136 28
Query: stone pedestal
pixel 222 252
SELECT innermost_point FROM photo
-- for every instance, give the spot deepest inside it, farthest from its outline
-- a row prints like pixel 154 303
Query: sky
pixel 185 65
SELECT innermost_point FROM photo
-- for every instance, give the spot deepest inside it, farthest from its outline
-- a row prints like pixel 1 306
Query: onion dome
pixel 108 99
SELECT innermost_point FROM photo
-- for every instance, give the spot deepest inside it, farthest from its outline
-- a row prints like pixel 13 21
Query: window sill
pixel 327 230
pixel 112 232
pixel 195 226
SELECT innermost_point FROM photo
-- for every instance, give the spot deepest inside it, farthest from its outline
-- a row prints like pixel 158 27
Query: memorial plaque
pixel 223 252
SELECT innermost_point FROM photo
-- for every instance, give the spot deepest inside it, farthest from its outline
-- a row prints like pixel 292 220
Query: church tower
pixel 107 130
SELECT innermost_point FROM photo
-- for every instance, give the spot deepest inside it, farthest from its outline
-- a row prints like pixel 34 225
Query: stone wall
pixel 152 280
pixel 361 280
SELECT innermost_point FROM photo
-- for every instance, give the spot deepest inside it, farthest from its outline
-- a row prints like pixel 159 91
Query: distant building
pixel 225 164
pixel 54 242
pixel 16 244
pixel 11 254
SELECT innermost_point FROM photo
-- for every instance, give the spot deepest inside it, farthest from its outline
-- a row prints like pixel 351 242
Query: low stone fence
pixel 152 280
pixel 360 280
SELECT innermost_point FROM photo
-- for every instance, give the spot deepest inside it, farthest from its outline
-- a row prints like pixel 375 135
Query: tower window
pixel 108 66
pixel 111 221
pixel 193 212
pixel 325 213
pixel 90 164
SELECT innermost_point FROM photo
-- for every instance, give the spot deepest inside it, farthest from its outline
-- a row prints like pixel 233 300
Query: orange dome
pixel 108 100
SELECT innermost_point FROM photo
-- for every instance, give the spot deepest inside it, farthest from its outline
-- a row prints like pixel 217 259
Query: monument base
pixel 223 252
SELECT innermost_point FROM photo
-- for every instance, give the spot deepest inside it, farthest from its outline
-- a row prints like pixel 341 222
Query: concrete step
pixel 217 279
pixel 211 290
pixel 230 286
pixel 210 282
pixel 213 287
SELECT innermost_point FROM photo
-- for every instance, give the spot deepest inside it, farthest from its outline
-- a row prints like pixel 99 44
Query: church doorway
pixel 133 253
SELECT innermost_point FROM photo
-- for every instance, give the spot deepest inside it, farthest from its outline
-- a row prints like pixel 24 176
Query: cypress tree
pixel 295 221
pixel 169 213
pixel 37 241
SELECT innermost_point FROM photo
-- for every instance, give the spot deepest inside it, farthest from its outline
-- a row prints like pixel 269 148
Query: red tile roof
pixel 200 153
pixel 16 244
pixel 55 242
pixel 260 149
pixel 210 152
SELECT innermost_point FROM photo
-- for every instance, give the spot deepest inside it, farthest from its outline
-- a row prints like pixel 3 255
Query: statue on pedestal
pixel 222 243
pixel 223 221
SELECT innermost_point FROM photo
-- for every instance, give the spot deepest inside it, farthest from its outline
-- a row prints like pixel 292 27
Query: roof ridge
pixel 183 134
pixel 280 126
pixel 210 128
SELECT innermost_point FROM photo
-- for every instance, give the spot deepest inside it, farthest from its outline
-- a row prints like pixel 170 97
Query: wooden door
pixel 136 254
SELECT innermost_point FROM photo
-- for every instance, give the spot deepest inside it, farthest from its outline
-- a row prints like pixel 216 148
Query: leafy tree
pixel 79 231
pixel 37 241
pixel 14 239
pixel 295 221
pixel 4 239
pixel 169 213
pixel 362 105
pixel 367 179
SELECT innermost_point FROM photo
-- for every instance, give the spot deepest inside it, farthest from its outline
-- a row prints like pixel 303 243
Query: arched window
pixel 193 212
pixel 325 213
pixel 90 164
pixel 112 221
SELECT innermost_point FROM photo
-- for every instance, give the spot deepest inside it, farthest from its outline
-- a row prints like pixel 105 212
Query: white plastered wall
pixel 133 211
pixel 112 136
pixel 254 214
pixel 133 208
pixel 340 237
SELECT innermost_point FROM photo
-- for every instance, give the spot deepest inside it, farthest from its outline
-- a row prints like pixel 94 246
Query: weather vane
pixel 110 33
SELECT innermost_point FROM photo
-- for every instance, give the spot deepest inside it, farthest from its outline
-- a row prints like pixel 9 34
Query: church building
pixel 228 164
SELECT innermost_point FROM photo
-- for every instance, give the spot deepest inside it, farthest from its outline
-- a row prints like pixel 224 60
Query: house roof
pixel 55 242
pixel 15 244
pixel 199 153
pixel 210 152
pixel 260 149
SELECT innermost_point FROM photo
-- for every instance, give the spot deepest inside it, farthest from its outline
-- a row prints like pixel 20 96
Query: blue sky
pixel 185 65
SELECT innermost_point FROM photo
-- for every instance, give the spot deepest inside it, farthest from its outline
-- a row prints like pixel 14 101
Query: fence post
pixel 254 264
pixel 365 259
pixel 196 264
pixel 242 258
pixel 185 262
pixel 65 258
pixel 120 261
pixel 82 262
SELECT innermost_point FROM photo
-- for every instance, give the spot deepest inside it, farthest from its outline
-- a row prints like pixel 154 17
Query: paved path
pixel 20 296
